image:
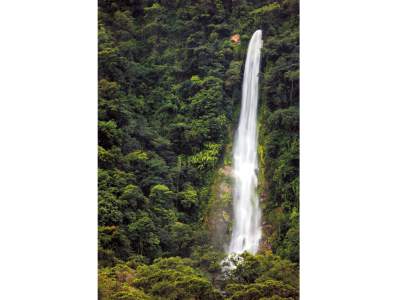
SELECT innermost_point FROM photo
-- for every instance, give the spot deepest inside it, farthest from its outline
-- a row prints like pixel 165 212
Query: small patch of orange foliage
pixel 235 38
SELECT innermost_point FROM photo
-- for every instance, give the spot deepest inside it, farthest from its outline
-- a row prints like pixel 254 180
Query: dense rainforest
pixel 170 75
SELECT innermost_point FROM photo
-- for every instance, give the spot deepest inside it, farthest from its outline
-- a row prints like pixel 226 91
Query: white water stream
pixel 246 232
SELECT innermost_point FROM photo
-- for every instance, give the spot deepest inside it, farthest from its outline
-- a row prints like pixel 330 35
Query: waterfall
pixel 246 232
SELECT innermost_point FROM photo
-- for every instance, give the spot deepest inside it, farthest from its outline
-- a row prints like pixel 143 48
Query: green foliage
pixel 133 196
pixel 169 93
pixel 279 134
pixel 270 289
pixel 188 198
pixel 291 245
pixel 174 278
pixel 266 8
pixel 181 239
pixel 207 259
pixel 143 234
pixel 109 134
pixel 109 209
pixel 262 275
pixel 261 267
pixel 114 245
pixel 206 159
pixel 116 284
pixel 161 195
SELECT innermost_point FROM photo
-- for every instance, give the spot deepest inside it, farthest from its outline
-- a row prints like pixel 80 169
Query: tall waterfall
pixel 246 232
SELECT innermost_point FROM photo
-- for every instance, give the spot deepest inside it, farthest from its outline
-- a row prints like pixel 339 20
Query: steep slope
pixel 169 93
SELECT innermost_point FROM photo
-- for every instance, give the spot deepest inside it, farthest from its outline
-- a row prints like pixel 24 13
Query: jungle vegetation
pixel 169 94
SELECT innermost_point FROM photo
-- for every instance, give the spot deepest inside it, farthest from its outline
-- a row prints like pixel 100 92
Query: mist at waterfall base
pixel 246 233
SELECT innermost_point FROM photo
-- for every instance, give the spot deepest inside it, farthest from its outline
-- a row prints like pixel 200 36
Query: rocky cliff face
pixel 219 218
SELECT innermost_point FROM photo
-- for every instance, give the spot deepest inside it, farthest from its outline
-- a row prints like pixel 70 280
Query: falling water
pixel 246 232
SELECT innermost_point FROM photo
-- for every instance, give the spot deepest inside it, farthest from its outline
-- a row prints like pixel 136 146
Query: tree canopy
pixel 169 99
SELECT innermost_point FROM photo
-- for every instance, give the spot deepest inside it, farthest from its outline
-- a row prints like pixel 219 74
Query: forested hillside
pixel 169 94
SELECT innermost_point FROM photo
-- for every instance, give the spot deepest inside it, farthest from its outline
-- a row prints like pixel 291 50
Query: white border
pixel 350 146
pixel 349 149
pixel 48 216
